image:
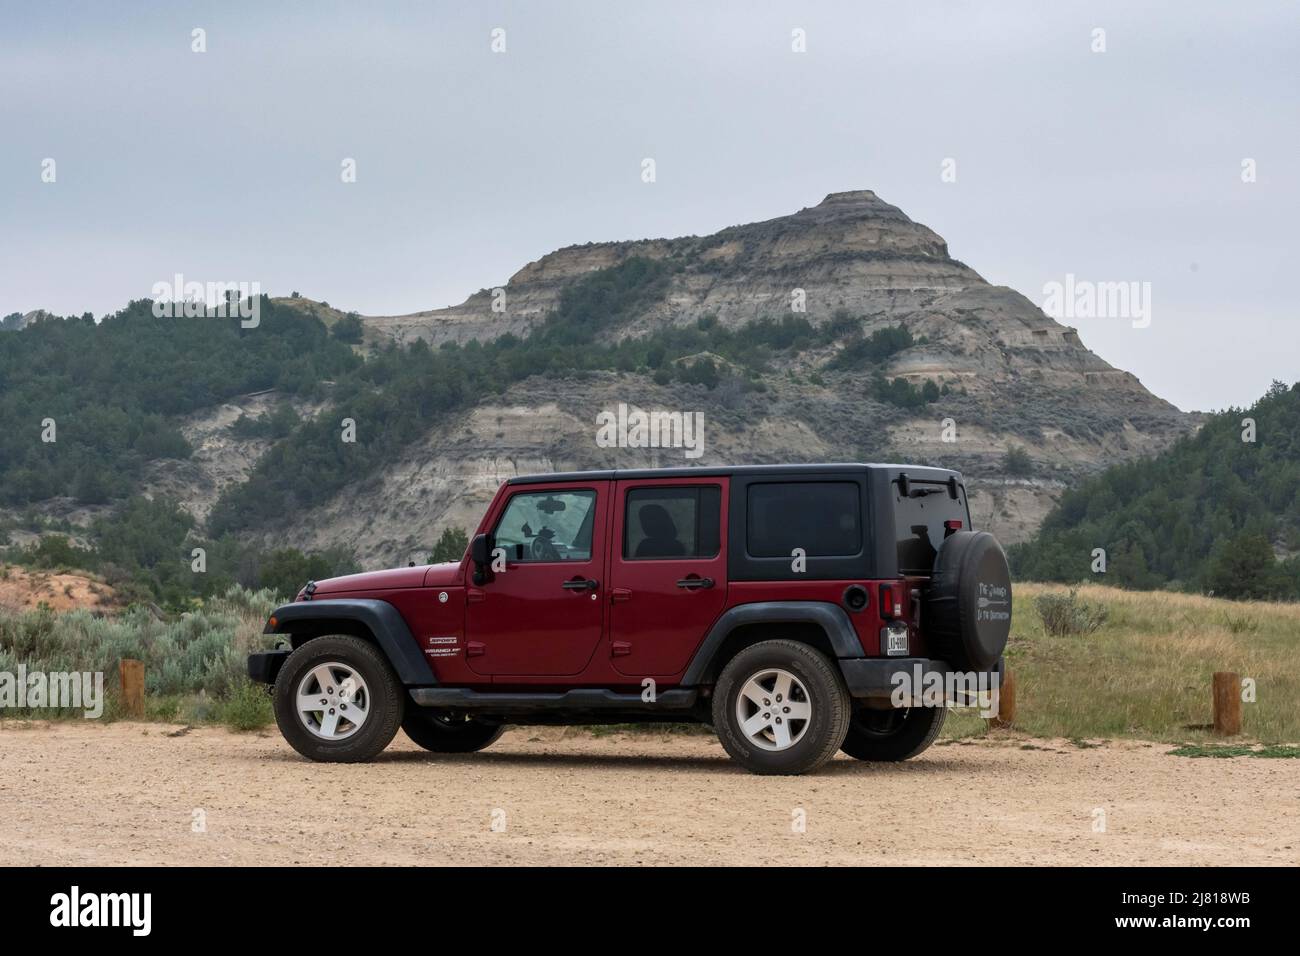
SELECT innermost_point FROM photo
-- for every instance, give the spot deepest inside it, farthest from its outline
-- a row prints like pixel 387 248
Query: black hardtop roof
pixel 915 472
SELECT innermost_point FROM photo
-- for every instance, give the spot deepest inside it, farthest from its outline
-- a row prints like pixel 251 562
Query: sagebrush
pixel 1065 614
pixel 202 653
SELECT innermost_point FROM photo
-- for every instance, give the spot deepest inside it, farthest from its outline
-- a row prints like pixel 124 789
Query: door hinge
pixel 620 648
pixel 617 595
pixel 474 595
pixel 475 649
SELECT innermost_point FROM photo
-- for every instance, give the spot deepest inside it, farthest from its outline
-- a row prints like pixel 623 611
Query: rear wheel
pixel 444 734
pixel 894 734
pixel 780 707
pixel 337 700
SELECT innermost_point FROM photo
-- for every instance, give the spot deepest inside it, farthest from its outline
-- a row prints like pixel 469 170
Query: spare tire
pixel 967 614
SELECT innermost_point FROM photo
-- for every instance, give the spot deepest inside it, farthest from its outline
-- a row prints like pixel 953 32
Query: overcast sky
pixel 1124 165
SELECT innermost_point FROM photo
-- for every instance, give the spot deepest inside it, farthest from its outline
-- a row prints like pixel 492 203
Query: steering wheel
pixel 542 549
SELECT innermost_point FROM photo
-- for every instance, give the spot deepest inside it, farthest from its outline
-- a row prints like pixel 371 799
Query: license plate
pixel 896 644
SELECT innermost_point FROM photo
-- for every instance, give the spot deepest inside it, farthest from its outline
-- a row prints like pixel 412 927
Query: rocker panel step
pixel 580 699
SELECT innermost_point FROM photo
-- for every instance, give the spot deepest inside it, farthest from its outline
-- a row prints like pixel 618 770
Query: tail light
pixel 891 600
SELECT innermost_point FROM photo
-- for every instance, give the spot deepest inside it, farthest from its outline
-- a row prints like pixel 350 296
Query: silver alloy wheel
pixel 333 701
pixel 773 709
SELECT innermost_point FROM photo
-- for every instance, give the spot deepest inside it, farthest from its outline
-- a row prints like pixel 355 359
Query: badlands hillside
pixel 844 331
pixel 1011 377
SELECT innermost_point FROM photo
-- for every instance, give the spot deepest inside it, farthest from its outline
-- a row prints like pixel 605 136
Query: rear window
pixel 822 517
pixel 918 523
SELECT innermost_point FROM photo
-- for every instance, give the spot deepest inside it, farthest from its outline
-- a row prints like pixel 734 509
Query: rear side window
pixel 677 522
pixel 824 518
pixel 919 523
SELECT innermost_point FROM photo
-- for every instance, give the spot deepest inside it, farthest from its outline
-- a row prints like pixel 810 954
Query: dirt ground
pixel 83 793
pixel 23 590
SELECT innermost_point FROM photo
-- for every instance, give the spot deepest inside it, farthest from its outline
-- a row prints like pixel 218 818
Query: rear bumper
pixel 878 677
pixel 263 667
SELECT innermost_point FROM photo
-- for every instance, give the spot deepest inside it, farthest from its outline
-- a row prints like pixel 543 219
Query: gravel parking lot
pixel 81 793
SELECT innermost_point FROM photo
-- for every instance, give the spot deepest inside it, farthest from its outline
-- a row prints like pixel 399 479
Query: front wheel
pixel 894 734
pixel 337 700
pixel 443 734
pixel 780 707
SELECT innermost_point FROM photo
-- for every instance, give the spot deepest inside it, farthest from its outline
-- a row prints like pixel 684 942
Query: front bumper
pixel 880 677
pixel 263 667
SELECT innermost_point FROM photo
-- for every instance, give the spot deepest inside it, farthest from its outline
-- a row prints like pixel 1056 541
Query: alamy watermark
pixel 74 908
pixel 178 298
pixel 1083 299
pixel 634 428
pixel 930 688
pixel 56 690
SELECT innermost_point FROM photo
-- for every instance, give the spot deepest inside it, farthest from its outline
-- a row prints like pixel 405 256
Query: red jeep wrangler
pixel 793 607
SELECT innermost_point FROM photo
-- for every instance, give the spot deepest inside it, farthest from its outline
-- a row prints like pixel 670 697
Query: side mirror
pixel 480 549
pixel 480 552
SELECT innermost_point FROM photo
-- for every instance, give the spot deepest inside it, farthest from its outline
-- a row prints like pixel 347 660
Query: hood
pixel 373 581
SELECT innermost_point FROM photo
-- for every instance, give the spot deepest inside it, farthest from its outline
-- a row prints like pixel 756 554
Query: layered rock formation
pixel 1013 377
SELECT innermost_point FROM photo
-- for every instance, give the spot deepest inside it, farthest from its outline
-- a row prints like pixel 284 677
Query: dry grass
pixel 1147 671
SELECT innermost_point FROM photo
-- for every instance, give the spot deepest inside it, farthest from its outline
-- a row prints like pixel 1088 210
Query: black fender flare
pixel 315 618
pixel 831 618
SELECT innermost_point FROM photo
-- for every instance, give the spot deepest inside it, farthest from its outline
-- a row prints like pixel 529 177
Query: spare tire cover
pixel 967 615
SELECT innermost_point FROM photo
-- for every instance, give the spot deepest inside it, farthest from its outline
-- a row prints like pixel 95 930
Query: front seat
pixel 660 539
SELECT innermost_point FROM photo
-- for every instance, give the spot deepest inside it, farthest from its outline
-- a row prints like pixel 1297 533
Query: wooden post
pixel 1006 702
pixel 1227 703
pixel 131 674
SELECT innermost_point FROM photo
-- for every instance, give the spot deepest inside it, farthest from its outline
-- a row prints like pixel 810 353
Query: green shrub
pixel 275 424
pixel 874 349
pixel 349 329
pixel 246 707
pixel 451 546
pixel 55 552
pixel 203 651
pixel 1065 614
pixel 1242 567
pixel 901 392
pixel 1017 462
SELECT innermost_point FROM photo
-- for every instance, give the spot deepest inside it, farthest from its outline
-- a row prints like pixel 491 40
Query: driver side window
pixel 547 526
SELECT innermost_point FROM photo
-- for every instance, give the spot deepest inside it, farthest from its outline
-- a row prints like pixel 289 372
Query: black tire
pixel 894 734
pixel 815 740
pixel 441 734
pixel 385 703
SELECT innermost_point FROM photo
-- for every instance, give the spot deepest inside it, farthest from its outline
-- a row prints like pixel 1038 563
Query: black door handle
pixel 580 584
pixel 692 584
